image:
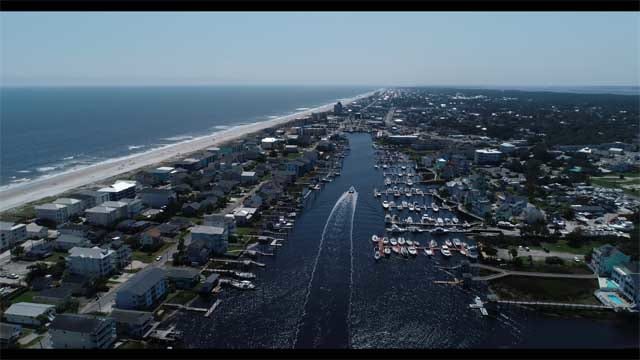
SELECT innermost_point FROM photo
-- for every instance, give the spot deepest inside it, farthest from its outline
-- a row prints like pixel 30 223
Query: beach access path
pixel 21 194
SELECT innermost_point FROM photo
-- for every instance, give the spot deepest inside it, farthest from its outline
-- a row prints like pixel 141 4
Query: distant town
pixel 546 187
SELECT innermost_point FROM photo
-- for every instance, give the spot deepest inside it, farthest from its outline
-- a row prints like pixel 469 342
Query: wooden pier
pixel 555 304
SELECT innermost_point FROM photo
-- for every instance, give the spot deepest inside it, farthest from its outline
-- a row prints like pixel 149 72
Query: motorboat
pixel 375 238
pixel 317 187
pixel 428 251
pixel 412 250
pixel 412 207
pixel 396 249
pixel 404 251
pixel 409 220
pixel 448 243
pixel 409 242
pixel 387 251
pixel 352 190
pixel 376 193
pixel 375 166
pixel 409 182
pixel 396 193
pixel 434 207
pixel 455 220
pixel 445 250
pixel 416 243
pixel 385 240
pixel 472 252
pixel 243 285
pixel 385 204
pixel 407 192
pixel 376 255
pixel 433 243
pixel 439 230
pixel 393 241
pixel 405 204
pixel 387 181
pixel 387 218
pixel 457 242
pixel 401 241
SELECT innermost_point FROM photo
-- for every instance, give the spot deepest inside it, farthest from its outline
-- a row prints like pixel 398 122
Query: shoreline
pixel 27 192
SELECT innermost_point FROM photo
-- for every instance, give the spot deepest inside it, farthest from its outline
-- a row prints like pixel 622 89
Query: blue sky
pixel 374 48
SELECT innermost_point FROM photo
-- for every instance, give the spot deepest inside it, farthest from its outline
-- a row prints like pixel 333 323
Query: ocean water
pixel 323 289
pixel 44 130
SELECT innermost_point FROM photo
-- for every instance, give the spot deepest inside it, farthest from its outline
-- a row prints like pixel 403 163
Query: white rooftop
pixel 269 139
pixel 119 185
pixel 101 209
pixel 50 206
pixel 66 201
pixel 488 151
pixel 93 253
pixel 28 309
pixel 205 229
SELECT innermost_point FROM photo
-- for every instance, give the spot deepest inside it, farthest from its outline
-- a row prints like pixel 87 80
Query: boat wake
pixel 326 310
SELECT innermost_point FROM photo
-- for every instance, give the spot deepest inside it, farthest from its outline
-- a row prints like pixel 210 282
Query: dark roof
pixel 212 278
pixel 61 292
pixel 130 316
pixel 143 280
pixel 76 323
pixel 181 272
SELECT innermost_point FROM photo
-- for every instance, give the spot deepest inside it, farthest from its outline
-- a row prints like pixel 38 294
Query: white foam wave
pixel 178 138
pixel 133 147
pixel 45 168
pixel 24 171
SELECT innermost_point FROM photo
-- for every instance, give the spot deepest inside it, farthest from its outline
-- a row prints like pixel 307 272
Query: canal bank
pixel 391 304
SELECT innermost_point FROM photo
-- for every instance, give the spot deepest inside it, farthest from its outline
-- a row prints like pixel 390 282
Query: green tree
pixel 17 251
pixel 513 252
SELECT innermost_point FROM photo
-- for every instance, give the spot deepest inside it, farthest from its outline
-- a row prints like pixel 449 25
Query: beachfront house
pixel 73 331
pixel 36 231
pixel 74 206
pixel 627 277
pixel 183 277
pixel 104 215
pixel 145 289
pixel 604 258
pixel 55 213
pixel 120 189
pixel 92 262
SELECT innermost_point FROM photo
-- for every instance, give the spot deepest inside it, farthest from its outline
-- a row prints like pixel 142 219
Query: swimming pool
pixel 611 284
pixel 615 299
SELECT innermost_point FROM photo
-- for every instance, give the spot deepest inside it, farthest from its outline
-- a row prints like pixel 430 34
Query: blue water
pixel 47 130
pixel 615 299
pixel 353 301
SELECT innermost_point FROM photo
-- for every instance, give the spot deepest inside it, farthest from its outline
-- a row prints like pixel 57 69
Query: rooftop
pixel 77 323
pixel 143 281
pixel 130 316
pixel 50 206
pixel 66 201
pixel 28 309
pixel 93 253
pixel 203 229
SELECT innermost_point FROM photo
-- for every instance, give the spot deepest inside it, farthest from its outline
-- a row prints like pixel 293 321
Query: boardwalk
pixel 555 304
pixel 502 273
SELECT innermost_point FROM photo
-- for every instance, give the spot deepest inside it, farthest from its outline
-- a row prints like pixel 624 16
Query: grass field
pixel 541 289
pixel 630 184
pixel 181 297
pixel 562 246
pixel 55 256
pixel 27 296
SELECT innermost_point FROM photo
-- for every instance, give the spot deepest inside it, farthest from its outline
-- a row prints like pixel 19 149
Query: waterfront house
pixel 152 238
pixel 627 276
pixel 9 335
pixel 244 215
pixel 210 283
pixel 132 323
pixel 216 237
pixel 144 290
pixel 120 189
pixel 604 258
pixel 248 177
pixel 65 242
pixel 254 201
pixel 90 198
pixel 93 262
pixel 55 213
pixel 183 277
pixel 73 331
pixel 157 198
pixel 221 220
pixel 198 252
pixel 11 234
pixel 27 313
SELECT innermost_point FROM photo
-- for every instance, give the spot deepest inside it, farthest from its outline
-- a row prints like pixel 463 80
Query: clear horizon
pixel 394 49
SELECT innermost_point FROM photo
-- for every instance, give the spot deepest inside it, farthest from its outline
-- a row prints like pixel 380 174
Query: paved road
pixel 539 254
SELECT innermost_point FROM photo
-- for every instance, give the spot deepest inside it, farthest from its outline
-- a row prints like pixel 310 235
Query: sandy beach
pixel 34 190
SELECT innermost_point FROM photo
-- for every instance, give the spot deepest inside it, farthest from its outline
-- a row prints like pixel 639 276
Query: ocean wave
pixel 303 109
pixel 68 158
pixel 21 180
pixel 24 171
pixel 133 147
pixel 45 168
pixel 222 127
pixel 178 138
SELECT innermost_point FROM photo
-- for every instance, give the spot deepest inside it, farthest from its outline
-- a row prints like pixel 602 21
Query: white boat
pixel 375 238
pixel 407 192
pixel 448 243
pixel 472 252
pixel 403 167
pixel 376 255
pixel 439 230
pixel 317 187
pixel 409 182
pixel 393 241
pixel 409 220
pixel 384 166
pixel 434 207
pixel 376 193
pixel 387 251
pixel 419 192
pixel 401 241
pixel 404 251
pixel 385 204
pixel 396 193
pixel 387 218
pixel 409 242
pixel 433 243
pixel 385 240
pixel 455 220
pixel 387 181
pixel 412 207
pixel 445 250
pixel 416 243
pixel 412 250
pixel 428 251
pixel 457 242
pixel 243 285
pixel 375 166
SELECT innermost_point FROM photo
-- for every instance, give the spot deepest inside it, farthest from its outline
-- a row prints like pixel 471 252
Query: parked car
pixel 576 259
pixel 545 249
pixel 158 258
